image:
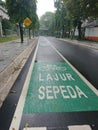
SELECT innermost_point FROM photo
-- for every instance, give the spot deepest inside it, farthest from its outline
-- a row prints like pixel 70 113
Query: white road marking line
pixel 80 127
pixel 36 128
pixel 19 109
pixel 80 75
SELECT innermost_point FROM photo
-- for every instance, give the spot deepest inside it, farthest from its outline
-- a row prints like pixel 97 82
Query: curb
pixel 80 43
pixel 9 75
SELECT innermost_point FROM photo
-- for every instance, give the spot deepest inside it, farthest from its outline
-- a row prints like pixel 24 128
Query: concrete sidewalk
pixel 9 51
pixel 13 56
pixel 90 44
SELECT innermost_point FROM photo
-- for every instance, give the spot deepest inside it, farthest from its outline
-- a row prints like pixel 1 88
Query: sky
pixel 44 6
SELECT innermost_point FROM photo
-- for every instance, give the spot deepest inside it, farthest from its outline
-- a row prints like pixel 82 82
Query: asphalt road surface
pixel 58 97
pixel 85 59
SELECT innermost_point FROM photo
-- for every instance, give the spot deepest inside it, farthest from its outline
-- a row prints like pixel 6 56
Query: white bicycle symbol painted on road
pixel 52 68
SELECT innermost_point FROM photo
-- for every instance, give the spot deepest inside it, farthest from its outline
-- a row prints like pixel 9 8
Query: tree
pixel 79 11
pixel 6 25
pixel 2 3
pixel 60 18
pixel 18 10
pixel 90 7
pixel 75 13
pixel 47 23
pixel 35 25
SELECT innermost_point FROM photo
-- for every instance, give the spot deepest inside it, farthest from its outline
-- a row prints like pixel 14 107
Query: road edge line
pixel 19 109
pixel 80 75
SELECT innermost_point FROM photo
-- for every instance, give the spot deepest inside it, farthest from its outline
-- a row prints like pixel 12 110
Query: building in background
pixel 91 31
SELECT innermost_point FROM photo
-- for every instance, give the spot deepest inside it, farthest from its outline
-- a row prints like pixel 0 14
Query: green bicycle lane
pixel 55 87
pixel 58 96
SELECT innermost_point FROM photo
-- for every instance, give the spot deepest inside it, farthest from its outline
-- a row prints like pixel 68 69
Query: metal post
pixel 1 26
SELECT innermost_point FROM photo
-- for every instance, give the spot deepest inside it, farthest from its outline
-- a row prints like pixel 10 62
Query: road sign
pixel 56 87
pixel 27 22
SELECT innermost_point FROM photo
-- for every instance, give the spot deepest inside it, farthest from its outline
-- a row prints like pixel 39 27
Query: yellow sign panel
pixel 27 22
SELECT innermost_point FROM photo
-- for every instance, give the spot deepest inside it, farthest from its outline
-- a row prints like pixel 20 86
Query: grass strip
pixel 7 39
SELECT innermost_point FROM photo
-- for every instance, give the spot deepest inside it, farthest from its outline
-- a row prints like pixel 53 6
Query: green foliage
pixel 2 3
pixel 47 23
pixel 58 20
pixel 90 7
pixel 18 10
pixel 7 39
pixel 61 21
pixel 7 26
pixel 79 11
pixel 35 22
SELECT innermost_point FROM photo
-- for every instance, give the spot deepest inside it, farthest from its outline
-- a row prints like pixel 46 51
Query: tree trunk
pixel 18 32
pixel 1 27
pixel 33 33
pixel 79 30
pixel 29 34
pixel 21 32
pixel 63 30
